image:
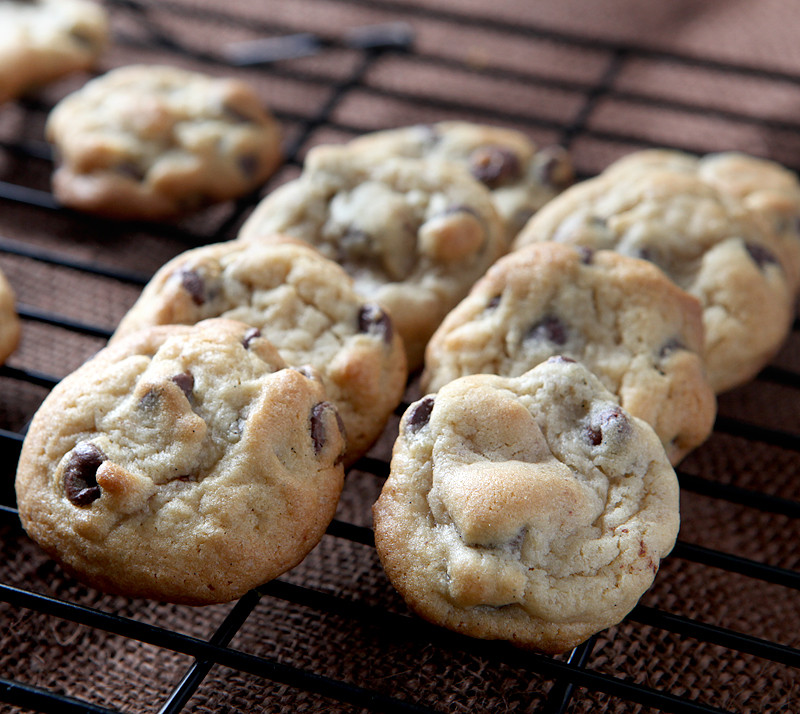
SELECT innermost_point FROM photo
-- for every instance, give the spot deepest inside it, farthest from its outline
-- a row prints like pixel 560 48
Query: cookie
pixel 10 327
pixel 43 40
pixel 521 176
pixel 764 187
pixel 413 234
pixel 703 238
pixel 184 464
pixel 305 305
pixel 156 142
pixel 620 316
pixel 531 509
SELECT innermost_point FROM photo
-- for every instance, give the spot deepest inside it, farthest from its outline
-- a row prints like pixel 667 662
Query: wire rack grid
pixel 720 629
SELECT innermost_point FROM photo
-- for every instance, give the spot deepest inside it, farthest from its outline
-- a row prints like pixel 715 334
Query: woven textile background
pixel 720 629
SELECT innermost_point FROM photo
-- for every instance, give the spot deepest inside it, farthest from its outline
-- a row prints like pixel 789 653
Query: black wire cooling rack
pixel 357 93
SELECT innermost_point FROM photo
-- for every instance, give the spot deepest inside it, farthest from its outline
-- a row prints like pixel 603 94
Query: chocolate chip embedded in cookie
pixel 621 317
pixel 531 509
pixel 414 234
pixel 185 464
pixel 521 176
pixel 10 327
pixel 157 142
pixel 305 305
pixel 43 40
pixel 704 238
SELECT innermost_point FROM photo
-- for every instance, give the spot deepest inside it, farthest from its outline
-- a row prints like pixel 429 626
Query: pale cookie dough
pixel 763 186
pixel 521 176
pixel 531 509
pixel 703 238
pixel 305 305
pixel 156 142
pixel 43 40
pixel 185 464
pixel 620 316
pixel 413 234
pixel 10 327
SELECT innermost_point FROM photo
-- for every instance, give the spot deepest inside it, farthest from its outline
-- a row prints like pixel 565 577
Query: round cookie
pixel 703 238
pixel 10 327
pixel 413 234
pixel 531 509
pixel 156 142
pixel 762 186
pixel 620 316
pixel 521 176
pixel 305 305
pixel 43 40
pixel 184 464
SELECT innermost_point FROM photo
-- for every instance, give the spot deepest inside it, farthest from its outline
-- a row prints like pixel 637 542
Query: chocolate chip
pixel 671 345
pixel 587 255
pixel 193 283
pixel 553 167
pixel 248 165
pixel 760 255
pixel 80 474
pixel 373 320
pixel 317 420
pixel 494 165
pixel 419 414
pixel 609 422
pixel 549 328
pixel 252 334
pixel 185 380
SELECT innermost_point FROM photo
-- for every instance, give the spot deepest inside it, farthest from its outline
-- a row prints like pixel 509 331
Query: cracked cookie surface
pixel 43 40
pixel 531 509
pixel 704 238
pixel 305 305
pixel 521 176
pixel 619 316
pixel 156 142
pixel 185 464
pixel 413 234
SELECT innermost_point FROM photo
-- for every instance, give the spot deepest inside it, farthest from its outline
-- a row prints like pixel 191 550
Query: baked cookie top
pixel 155 142
pixel 532 509
pixel 762 186
pixel 185 464
pixel 413 234
pixel 305 305
pixel 521 176
pixel 621 317
pixel 42 40
pixel 10 327
pixel 703 238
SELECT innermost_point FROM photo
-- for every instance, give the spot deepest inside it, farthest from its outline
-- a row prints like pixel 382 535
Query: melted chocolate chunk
pixel 185 380
pixel 760 255
pixel 317 421
pixel 609 421
pixel 419 414
pixel 193 284
pixel 252 334
pixel 549 328
pixel 373 320
pixel 494 165
pixel 80 474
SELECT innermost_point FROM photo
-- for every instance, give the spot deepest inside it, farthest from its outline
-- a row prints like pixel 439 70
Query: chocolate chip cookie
pixel 305 305
pixel 705 239
pixel 156 142
pixel 185 464
pixel 414 234
pixel 531 509
pixel 43 40
pixel 10 327
pixel 521 176
pixel 621 317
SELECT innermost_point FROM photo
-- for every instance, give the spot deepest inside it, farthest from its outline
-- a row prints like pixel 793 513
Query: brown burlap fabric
pixel 604 78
